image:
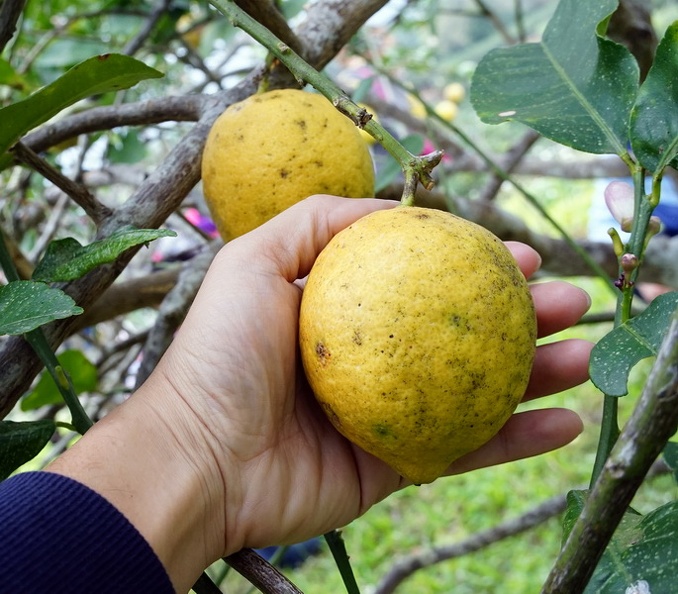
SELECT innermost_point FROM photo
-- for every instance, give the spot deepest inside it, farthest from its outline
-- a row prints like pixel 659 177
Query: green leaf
pixel 654 119
pixel 414 143
pixel 670 455
pixel 21 442
pixel 575 504
pixel 643 554
pixel 66 259
pixel 100 74
pixel 27 305
pixel 574 87
pixel 83 374
pixel 617 352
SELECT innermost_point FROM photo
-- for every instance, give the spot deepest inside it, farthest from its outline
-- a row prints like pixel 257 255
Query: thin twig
pixel 261 573
pixel 79 194
pixel 155 15
pixel 405 567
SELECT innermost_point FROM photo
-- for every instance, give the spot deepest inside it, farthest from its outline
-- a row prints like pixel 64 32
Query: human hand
pixel 238 419
pixel 290 475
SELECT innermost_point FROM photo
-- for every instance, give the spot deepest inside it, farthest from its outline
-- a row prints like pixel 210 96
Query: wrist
pixel 153 465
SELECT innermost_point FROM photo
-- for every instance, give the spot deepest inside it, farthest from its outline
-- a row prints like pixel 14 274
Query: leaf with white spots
pixel 27 305
pixel 616 353
pixel 642 557
pixel 654 119
pixel 575 86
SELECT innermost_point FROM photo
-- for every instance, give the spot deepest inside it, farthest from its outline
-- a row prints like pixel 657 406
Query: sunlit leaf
pixel 66 259
pixel 654 119
pixel 100 74
pixel 21 442
pixel 616 353
pixel 27 305
pixel 574 86
pixel 83 374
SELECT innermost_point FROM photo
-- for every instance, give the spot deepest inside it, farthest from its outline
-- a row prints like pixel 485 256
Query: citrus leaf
pixel 575 504
pixel 99 74
pixel 654 119
pixel 642 556
pixel 670 455
pixel 21 442
pixel 617 352
pixel 574 86
pixel 27 305
pixel 66 259
pixel 82 373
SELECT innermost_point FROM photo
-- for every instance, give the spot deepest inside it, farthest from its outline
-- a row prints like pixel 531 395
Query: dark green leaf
pixel 83 375
pixel 574 87
pixel 100 74
pixel 21 442
pixel 616 353
pixel 643 555
pixel 671 457
pixel 654 119
pixel 66 259
pixel 27 305
pixel 575 503
pixel 391 169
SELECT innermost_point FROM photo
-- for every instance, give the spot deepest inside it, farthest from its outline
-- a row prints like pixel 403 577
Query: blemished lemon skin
pixel 276 148
pixel 417 333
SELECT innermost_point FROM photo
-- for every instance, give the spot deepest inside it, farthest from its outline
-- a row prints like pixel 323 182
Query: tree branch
pixel 266 13
pixel 78 193
pixel 653 421
pixel 10 11
pixel 261 573
pixel 406 566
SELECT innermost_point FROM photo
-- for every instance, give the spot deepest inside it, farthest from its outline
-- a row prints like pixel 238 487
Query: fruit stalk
pixel 415 168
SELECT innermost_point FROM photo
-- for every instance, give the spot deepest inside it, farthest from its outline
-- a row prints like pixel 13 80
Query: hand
pixel 237 418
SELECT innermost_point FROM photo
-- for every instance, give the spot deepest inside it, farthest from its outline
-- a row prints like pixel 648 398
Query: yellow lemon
pixel 274 149
pixel 417 333
pixel 447 110
pixel 454 92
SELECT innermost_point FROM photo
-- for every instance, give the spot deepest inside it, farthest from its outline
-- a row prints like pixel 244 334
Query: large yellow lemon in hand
pixel 417 333
pixel 274 149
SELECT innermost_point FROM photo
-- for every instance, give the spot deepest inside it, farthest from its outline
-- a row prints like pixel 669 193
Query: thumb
pixel 291 241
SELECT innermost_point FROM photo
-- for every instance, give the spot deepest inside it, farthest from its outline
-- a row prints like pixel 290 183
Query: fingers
pixel 524 435
pixel 292 240
pixel 559 366
pixel 527 258
pixel 559 305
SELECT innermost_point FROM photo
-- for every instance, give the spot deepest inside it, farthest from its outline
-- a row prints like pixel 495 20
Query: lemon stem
pixel 416 169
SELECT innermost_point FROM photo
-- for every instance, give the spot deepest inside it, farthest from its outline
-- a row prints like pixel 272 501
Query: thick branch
pixel 10 11
pixel 154 111
pixel 652 423
pixel 266 13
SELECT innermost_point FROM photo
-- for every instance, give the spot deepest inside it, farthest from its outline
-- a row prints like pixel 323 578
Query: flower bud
pixel 617 244
pixel 629 262
pixel 620 202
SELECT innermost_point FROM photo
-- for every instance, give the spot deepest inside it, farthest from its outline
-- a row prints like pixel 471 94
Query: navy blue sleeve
pixel 59 536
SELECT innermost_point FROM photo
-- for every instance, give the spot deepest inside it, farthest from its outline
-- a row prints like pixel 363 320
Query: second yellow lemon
pixel 274 149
